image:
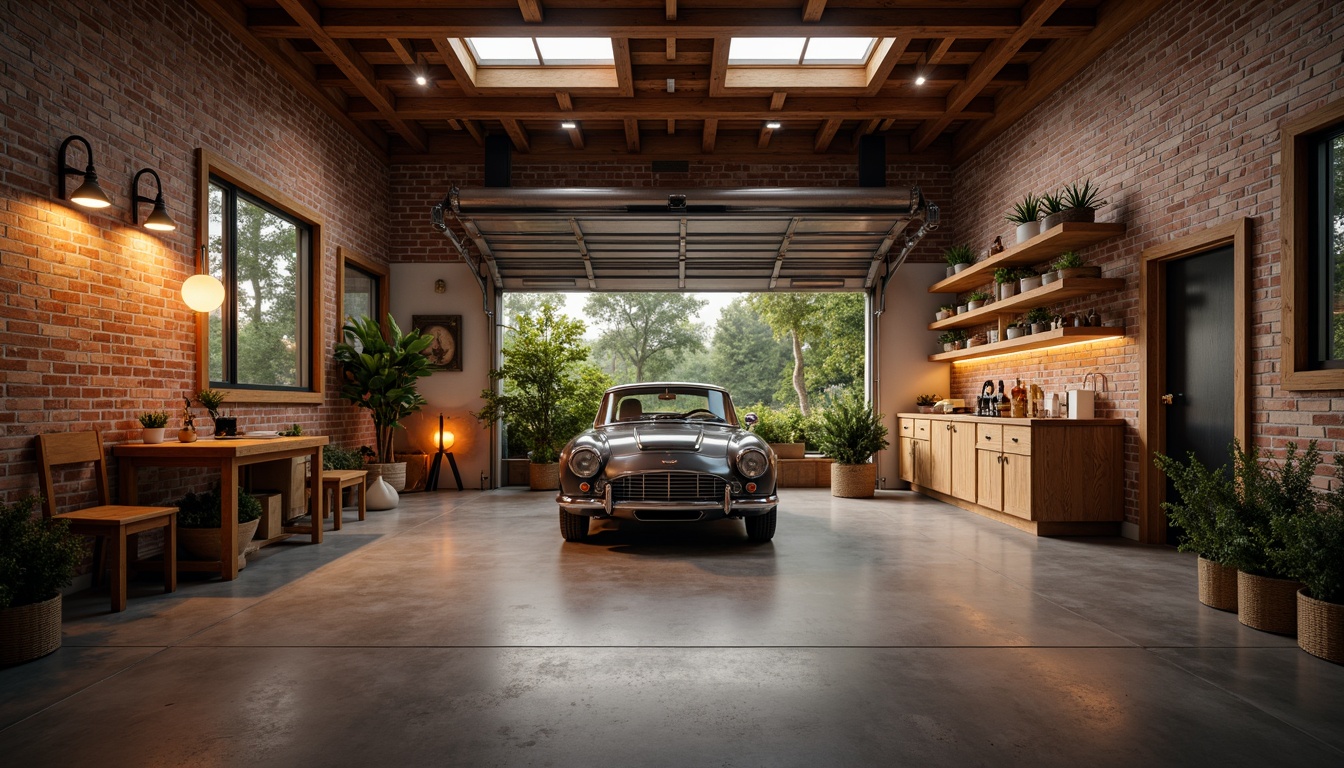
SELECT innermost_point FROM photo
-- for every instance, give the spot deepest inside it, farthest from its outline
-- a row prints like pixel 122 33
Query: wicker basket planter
pixel 853 481
pixel 1320 628
pixel 1217 585
pixel 203 543
pixel 30 631
pixel 1267 604
pixel 543 477
pixel 394 474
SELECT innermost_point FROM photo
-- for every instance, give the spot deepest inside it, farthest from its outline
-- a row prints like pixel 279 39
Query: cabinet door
pixel 989 479
pixel 963 460
pixel 940 456
pixel 1017 485
pixel 908 458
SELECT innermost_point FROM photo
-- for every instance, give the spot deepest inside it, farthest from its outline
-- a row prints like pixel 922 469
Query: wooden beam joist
pixel 937 50
pixel 575 136
pixel 777 101
pixel 631 134
pixel 565 102
pixel 709 135
pixel 531 10
pixel 763 138
pixel 477 132
pixel 812 10
pixel 670 10
pixel 404 49
pixel 517 134
pixel 865 128
pixel 825 134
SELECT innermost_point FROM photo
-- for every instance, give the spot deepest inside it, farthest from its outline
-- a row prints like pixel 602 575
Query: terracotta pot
pixel 924 408
pixel 186 435
pixel 1267 604
pixel 789 450
pixel 152 435
pixel 1027 231
pixel 30 631
pixel 853 481
pixel 1217 585
pixel 395 473
pixel 1069 214
pixel 203 543
pixel 543 477
pixel 1320 628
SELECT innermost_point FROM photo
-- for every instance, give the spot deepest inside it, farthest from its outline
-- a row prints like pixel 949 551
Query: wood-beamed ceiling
pixel 984 63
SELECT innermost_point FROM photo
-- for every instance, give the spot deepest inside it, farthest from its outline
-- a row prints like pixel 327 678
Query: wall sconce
pixel 203 293
pixel 158 218
pixel 440 286
pixel 89 194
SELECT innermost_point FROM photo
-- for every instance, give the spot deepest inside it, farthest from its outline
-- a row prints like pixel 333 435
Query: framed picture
pixel 445 354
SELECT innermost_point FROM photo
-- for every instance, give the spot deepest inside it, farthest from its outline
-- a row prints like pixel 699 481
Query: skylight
pixel 801 51
pixel 541 51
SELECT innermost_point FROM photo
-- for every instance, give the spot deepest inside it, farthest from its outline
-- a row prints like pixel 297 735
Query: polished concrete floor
pixel 459 630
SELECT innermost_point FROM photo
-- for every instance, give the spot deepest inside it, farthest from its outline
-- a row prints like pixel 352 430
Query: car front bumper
pixel 715 509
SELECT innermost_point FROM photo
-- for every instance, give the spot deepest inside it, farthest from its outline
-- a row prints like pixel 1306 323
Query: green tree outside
pixel 647 332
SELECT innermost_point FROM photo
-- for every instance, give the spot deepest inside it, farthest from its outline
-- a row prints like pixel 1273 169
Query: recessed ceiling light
pixel 569 125
pixel 773 125
pixel 421 80
pixel 919 80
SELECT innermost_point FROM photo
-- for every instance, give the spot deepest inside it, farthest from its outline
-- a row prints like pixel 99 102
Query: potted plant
pixel 851 432
pixel 975 340
pixel 153 423
pixel 1070 264
pixel 962 309
pixel 924 403
pixel 1052 203
pixel 1026 215
pixel 976 300
pixel 1027 280
pixel 958 258
pixel 1077 204
pixel 1201 509
pixel 1015 330
pixel 380 375
pixel 1039 319
pixel 1006 280
pixel 1313 553
pixel 952 340
pixel 782 430
pixel 547 394
pixel 1266 596
pixel 38 558
pixel 199 517
pixel 187 434
pixel 212 400
pixel 944 312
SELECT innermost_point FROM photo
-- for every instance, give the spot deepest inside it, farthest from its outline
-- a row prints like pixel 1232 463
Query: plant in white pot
pixel 944 312
pixel 958 258
pixel 1077 204
pixel 1026 215
pixel 1201 510
pixel 850 432
pixel 976 300
pixel 549 392
pixel 38 558
pixel 1039 319
pixel 1027 280
pixel 380 375
pixel 153 424
pixel 1005 278
pixel 1313 553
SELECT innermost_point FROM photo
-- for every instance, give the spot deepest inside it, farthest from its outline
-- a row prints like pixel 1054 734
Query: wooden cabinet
pixel 963 461
pixel 1017 485
pixel 989 478
pixel 907 448
pixel 940 456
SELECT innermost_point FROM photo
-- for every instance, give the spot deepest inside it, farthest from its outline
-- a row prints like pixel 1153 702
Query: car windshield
pixel 666 403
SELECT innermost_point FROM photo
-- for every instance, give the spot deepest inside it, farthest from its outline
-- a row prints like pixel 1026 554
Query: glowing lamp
pixel 445 440
pixel 203 293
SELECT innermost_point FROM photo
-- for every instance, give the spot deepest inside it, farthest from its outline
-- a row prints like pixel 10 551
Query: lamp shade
pixel 160 220
pixel 203 293
pixel 89 194
pixel 445 440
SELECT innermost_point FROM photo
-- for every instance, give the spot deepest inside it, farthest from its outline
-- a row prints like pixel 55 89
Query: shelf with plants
pixel 1067 288
pixel 1071 235
pixel 1054 338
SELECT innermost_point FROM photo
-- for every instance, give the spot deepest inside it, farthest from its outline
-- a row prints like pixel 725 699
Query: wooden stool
pixel 334 481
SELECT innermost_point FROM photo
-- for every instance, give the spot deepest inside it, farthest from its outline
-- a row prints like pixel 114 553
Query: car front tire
pixel 762 527
pixel 575 527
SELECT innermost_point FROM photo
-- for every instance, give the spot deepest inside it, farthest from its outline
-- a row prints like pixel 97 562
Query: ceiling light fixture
pixel 671 85
pixel 421 80
pixel 569 125
pixel 773 125
pixel 89 194
pixel 919 80
pixel 158 218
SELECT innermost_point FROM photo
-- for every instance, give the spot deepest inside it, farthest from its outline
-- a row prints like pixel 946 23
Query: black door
pixel 1200 307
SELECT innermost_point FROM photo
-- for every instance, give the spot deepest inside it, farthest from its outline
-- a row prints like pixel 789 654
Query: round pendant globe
pixel 203 293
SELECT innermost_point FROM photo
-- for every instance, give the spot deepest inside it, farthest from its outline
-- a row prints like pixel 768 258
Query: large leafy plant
pixel 380 374
pixel 37 556
pixel 1203 505
pixel 850 431
pixel 1266 493
pixel 1313 544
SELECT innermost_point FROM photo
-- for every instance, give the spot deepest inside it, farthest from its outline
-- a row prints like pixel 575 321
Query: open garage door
pixel 650 239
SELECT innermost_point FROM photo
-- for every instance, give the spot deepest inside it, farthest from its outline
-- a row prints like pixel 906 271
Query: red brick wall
pixel 93 331
pixel 1178 123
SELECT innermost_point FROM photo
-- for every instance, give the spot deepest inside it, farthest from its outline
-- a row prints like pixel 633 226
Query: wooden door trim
pixel 1152 355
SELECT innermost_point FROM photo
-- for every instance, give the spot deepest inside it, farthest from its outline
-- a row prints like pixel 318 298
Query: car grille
pixel 668 486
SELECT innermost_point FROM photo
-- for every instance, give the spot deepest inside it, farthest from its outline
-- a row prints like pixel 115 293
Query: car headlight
pixel 752 462
pixel 585 462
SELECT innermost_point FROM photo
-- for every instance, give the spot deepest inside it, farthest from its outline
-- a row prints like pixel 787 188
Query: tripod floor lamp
pixel 445 440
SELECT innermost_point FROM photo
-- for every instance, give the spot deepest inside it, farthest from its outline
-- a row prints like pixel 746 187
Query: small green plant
pixel 1052 202
pixel 154 420
pixel 336 457
pixel 295 430
pixel 1005 275
pixel 947 308
pixel 1313 544
pixel 203 510
pixel 926 400
pixel 1038 315
pixel 1201 509
pixel 367 453
pixel 779 425
pixel 38 557
pixel 978 296
pixel 1067 260
pixel 1086 196
pixel 959 254
pixel 1023 272
pixel 211 400
pixel 850 431
pixel 951 337
pixel 1026 211
pixel 1266 493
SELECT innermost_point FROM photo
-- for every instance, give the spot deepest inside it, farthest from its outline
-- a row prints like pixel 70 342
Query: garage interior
pixel 919 626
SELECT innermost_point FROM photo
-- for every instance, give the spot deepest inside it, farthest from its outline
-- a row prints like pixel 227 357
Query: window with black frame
pixel 1326 256
pixel 260 338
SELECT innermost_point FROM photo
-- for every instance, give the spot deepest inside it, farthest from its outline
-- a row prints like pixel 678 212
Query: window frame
pixel 211 165
pixel 1298 140
pixel 352 258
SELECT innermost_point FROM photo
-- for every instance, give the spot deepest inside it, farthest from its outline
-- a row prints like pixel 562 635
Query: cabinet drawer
pixel 921 429
pixel 1017 440
pixel 907 428
pixel 989 437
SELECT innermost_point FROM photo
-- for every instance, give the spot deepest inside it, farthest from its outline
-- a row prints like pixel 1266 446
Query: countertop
pixel 970 417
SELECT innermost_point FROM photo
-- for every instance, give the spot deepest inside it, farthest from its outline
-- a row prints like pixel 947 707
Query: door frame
pixel 1152 355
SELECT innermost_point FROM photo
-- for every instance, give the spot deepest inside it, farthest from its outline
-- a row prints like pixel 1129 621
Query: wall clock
pixel 445 354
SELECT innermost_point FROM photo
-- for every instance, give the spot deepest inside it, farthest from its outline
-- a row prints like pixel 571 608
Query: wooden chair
pixel 111 524
pixel 334 482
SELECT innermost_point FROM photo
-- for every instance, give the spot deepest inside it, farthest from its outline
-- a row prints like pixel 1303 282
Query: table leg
pixel 315 493
pixel 170 555
pixel 118 576
pixel 363 503
pixel 128 475
pixel 228 529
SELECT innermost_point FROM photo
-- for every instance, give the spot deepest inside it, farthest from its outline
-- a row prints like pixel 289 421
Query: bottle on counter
pixel 1019 406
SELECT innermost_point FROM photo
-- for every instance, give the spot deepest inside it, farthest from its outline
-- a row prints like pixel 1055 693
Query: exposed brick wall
pixel 1178 123
pixel 93 331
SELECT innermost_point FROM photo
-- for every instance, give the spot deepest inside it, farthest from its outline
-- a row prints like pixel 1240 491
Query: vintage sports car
pixel 667 452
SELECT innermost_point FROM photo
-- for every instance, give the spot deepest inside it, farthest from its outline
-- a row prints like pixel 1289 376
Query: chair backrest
pixel 630 410
pixel 70 448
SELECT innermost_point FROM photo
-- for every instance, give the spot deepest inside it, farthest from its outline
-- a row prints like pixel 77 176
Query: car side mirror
pixel 750 419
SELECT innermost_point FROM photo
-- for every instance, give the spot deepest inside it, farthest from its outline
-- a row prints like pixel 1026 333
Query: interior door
pixel 1200 313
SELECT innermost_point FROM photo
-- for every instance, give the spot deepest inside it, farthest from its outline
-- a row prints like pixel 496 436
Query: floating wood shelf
pixel 1068 288
pixel 1068 236
pixel 1055 338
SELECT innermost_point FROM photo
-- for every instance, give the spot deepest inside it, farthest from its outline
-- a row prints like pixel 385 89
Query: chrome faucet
pixel 1093 376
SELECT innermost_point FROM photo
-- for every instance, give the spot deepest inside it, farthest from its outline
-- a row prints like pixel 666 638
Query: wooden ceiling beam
pixel 517 134
pixel 702 23
pixel 709 135
pixel 812 10
pixel 404 49
pixel 670 10
pixel 671 127
pixel 865 128
pixel 565 102
pixel 936 51
pixel 531 10
pixel 777 101
pixel 631 135
pixel 461 73
pixel 477 132
pixel 1060 62
pixel 360 72
pixel 825 134
pixel 670 49
pixel 763 138
pixel 1034 14
pixel 575 136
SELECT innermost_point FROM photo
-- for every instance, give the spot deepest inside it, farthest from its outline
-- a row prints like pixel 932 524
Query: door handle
pixel 1167 399
pixel 949 427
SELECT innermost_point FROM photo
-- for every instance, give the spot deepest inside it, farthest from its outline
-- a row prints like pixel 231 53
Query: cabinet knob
pixel 1167 399
pixel 1014 439
pixel 987 437
pixel 949 427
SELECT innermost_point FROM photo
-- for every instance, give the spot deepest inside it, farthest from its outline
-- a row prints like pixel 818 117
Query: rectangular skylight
pixel 560 51
pixel 765 50
pixel 541 51
pixel 801 51
pixel 503 51
pixel 839 50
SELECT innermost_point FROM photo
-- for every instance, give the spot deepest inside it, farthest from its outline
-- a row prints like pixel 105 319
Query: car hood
pixel 680 437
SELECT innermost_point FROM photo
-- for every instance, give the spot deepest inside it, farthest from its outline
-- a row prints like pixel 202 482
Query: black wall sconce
pixel 158 218
pixel 89 194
